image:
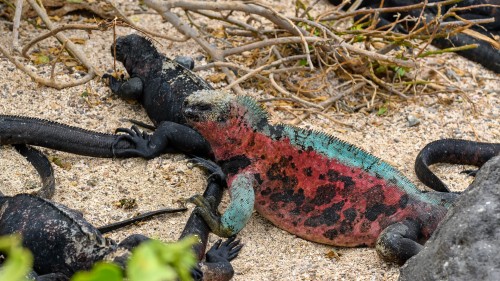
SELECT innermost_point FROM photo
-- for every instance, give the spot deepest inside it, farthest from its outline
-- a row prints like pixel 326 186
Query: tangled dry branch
pixel 256 46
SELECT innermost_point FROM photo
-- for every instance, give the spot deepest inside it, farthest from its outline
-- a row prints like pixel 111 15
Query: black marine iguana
pixel 157 82
pixel 485 53
pixel 160 84
pixel 63 242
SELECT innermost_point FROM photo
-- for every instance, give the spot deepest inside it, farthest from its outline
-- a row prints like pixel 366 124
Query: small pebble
pixel 412 121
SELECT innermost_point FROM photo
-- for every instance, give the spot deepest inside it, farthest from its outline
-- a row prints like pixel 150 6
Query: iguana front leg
pixel 133 87
pixel 168 137
pixel 126 89
pixel 398 242
pixel 237 213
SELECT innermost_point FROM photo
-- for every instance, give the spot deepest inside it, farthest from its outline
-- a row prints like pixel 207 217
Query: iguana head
pixel 213 106
pixel 133 49
pixel 208 106
pixel 226 121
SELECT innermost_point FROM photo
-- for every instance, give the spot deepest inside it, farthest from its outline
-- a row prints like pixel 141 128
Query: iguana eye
pixel 204 107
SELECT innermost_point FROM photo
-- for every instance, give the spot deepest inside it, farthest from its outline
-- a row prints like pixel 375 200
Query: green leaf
pixel 101 271
pixel 19 260
pixel 400 72
pixel 40 59
pixel 156 261
pixel 303 62
pixel 382 110
pixel 75 1
pixel 359 38
pixel 381 69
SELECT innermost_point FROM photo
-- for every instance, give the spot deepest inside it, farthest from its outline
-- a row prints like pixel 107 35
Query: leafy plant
pixel 152 260
pixel 19 262
pixel 155 260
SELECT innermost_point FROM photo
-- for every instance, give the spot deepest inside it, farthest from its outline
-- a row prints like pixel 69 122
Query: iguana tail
pixel 451 151
pixel 45 133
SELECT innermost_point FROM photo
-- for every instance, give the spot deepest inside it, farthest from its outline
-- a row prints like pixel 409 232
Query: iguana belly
pixel 325 201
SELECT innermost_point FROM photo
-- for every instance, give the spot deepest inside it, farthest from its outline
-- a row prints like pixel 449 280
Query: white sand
pixel 93 185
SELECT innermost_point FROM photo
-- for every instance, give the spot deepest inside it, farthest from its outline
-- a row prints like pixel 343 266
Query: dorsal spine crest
pixel 330 146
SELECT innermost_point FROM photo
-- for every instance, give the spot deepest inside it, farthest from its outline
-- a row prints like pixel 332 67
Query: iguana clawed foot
pixel 226 251
pixel 218 261
pixel 214 169
pixel 212 218
pixel 144 147
pixel 470 173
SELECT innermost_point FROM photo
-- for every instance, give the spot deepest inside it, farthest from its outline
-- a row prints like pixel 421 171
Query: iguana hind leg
pixel 237 213
pixel 398 242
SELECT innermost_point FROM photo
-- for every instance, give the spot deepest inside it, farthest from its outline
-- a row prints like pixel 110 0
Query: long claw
pixel 214 169
pixel 124 130
pixel 136 130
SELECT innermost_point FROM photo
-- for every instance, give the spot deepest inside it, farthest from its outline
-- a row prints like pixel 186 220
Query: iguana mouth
pixel 195 111
pixel 192 114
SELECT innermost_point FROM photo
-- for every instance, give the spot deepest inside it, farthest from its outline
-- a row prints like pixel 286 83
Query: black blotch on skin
pixel 331 234
pixel 306 208
pixel 290 182
pixel 374 211
pixel 295 212
pixel 350 214
pixel 403 201
pixel 329 216
pixel 258 179
pixel 307 171
pixel 289 196
pixel 265 192
pixel 234 164
pixel 324 195
pixel 345 227
pixel 393 181
pixel 334 176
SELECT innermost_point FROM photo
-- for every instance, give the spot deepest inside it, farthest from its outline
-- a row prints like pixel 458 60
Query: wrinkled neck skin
pixel 229 138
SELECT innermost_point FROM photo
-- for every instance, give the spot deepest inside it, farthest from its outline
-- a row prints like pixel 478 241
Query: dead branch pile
pixel 294 58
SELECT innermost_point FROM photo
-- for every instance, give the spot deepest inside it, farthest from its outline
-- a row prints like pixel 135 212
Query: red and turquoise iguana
pixel 309 183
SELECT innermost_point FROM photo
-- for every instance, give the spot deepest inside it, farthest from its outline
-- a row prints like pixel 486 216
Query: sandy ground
pixel 94 185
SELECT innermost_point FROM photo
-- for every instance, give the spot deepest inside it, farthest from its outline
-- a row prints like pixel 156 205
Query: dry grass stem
pixel 249 40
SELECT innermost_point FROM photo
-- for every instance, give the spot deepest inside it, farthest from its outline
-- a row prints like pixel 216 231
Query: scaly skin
pixel 45 133
pixel 308 183
pixel 157 82
pixel 42 166
pixel 485 53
